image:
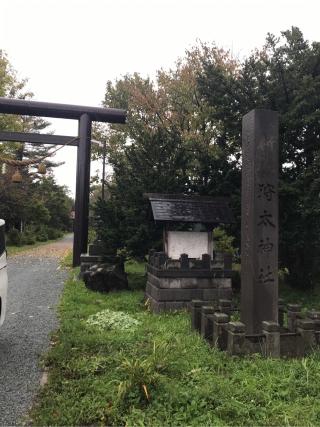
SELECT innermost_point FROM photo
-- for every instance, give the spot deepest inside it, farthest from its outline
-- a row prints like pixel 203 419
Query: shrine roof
pixel 182 208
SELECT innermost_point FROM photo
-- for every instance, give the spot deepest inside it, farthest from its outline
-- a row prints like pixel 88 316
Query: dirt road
pixel 35 285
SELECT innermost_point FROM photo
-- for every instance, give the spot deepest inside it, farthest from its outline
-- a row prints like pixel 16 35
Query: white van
pixel 3 273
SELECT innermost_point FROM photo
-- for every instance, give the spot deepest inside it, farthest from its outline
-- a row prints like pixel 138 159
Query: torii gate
pixel 85 116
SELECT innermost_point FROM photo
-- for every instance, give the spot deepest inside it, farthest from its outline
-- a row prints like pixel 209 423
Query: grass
pixel 13 250
pixel 160 373
pixel 67 261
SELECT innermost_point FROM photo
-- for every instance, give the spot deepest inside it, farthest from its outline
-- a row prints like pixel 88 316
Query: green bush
pixel 41 233
pixel 53 233
pixel 14 237
pixel 92 235
pixel 32 234
pixel 222 242
pixel 28 238
pixel 42 237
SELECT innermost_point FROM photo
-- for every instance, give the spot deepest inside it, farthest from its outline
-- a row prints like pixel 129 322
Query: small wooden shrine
pixel 188 267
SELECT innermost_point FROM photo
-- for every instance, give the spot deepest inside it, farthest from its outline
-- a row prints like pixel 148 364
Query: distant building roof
pixel 181 208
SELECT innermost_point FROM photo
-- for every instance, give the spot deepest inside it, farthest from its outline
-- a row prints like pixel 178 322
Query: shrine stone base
pixel 295 335
pixel 172 285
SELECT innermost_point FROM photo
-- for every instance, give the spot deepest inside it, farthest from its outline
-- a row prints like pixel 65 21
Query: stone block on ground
pixel 271 331
pixel 236 338
pixel 220 333
pixel 206 324
pixel 106 278
pixel 96 248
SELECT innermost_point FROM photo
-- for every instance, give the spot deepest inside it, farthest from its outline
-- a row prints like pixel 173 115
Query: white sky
pixel 68 49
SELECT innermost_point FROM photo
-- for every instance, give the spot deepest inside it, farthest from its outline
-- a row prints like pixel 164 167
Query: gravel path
pixel 35 284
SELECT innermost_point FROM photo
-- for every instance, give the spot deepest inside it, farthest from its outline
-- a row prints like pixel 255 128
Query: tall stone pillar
pixel 259 219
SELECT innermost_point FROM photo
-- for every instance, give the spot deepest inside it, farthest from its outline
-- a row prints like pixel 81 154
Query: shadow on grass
pixel 136 275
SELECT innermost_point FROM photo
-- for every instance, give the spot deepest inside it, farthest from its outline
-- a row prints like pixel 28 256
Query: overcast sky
pixel 69 49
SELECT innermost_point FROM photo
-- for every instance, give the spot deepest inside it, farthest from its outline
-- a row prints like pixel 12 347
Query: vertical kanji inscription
pixel 259 219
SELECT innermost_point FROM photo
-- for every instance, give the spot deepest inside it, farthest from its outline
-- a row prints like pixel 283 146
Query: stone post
pixel 225 306
pixel 96 248
pixel 220 333
pixel 162 259
pixel 195 308
pixel 206 327
pixel 305 328
pixel 159 259
pixel 206 324
pixel 184 262
pixel 259 219
pixel 271 331
pixel 151 256
pixel 294 313
pixel 236 338
pixel 315 316
pixel 206 261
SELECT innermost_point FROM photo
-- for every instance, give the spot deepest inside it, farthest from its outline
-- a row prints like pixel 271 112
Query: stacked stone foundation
pixel 173 284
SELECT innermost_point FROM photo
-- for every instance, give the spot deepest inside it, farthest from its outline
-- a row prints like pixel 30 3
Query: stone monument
pixel 268 326
pixel 259 219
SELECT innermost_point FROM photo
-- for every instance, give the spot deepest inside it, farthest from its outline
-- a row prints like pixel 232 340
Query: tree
pixel 283 76
pixel 35 201
pixel 169 145
pixel 11 87
pixel 57 202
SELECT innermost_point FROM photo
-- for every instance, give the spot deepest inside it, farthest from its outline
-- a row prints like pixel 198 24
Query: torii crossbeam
pixel 85 116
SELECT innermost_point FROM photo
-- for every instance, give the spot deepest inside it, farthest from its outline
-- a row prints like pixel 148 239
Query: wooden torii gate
pixel 85 116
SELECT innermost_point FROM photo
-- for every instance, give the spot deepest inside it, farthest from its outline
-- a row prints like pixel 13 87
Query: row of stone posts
pixel 213 323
